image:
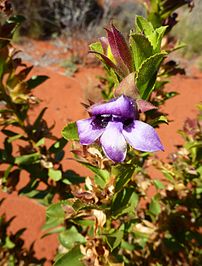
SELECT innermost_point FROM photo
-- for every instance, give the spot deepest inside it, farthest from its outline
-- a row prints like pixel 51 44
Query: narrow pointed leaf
pixel 141 49
pixel 123 175
pixel 114 239
pixel 109 63
pixel 145 27
pixel 120 49
pixel 142 25
pixel 124 202
pixel 146 76
pixel 160 33
pixel 27 159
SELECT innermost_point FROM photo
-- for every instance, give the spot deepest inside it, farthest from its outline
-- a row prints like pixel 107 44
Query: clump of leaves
pixel 41 162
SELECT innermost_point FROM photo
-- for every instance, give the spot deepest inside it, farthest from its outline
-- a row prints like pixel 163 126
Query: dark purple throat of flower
pixel 101 121
pixel 115 124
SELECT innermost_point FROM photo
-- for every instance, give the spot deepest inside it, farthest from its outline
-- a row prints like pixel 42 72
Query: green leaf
pixel 168 174
pixel 160 33
pixel 72 258
pixel 100 181
pixel 154 18
pixel 96 47
pixel 154 36
pixel 158 184
pixel 126 245
pixel 102 173
pixel 159 120
pixel 56 230
pixel 56 210
pixel 40 142
pixel 17 136
pixel 55 215
pixel 102 176
pixel 141 49
pixel 114 239
pixel 70 132
pixel 123 175
pixel 54 174
pixel 154 206
pixel 35 81
pixel 6 174
pixel 146 75
pixel 27 159
pixel 70 237
pixel 142 25
pixel 8 243
pixel 124 202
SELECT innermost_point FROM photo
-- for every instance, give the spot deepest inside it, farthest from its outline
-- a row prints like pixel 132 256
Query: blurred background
pixel 76 21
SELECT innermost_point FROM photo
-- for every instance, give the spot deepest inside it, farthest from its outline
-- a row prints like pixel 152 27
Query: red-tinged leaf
pixel 104 42
pixel 109 63
pixel 120 49
pixel 144 106
pixel 127 87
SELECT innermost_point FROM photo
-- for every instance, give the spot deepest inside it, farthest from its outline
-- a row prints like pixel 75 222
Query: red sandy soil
pixel 63 96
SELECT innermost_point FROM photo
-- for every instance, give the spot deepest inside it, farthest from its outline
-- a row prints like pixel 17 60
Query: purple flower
pixel 115 123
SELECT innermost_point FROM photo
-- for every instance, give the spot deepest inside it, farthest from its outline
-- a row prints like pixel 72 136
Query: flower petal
pixel 113 142
pixel 122 106
pixel 87 132
pixel 143 137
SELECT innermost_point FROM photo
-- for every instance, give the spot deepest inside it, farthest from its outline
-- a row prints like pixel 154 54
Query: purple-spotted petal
pixel 122 106
pixel 143 137
pixel 113 142
pixel 88 133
